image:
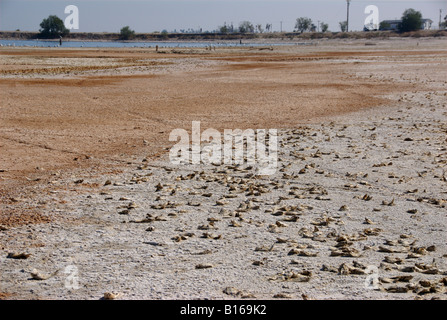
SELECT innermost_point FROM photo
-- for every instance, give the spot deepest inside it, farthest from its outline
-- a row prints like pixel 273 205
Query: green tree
pixel 343 26
pixel 224 29
pixel 411 21
pixel 324 27
pixel 246 27
pixel 126 33
pixel 52 27
pixel 303 24
pixel 384 25
pixel 164 34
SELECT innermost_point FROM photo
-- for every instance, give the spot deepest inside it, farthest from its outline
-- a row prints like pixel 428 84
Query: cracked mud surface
pixel 355 210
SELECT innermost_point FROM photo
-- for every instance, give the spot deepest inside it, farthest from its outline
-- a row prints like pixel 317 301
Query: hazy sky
pixel 156 15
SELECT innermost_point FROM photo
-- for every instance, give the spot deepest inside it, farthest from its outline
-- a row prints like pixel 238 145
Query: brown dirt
pixel 56 121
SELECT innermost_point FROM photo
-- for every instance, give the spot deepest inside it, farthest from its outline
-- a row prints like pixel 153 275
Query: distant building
pixel 426 24
pixel 370 27
pixel 393 25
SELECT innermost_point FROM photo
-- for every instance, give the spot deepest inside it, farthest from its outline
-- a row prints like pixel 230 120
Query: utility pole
pixel 280 25
pixel 347 15
pixel 440 15
pixel 318 26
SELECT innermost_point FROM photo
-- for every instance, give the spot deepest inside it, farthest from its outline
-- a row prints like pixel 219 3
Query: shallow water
pixel 121 44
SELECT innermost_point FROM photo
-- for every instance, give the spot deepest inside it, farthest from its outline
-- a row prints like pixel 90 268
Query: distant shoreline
pixel 285 36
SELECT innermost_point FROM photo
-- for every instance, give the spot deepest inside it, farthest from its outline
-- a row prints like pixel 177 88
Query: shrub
pixel 411 21
pixel 126 33
pixel 52 27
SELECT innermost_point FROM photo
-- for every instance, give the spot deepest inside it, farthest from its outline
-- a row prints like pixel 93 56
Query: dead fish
pixel 390 203
pixel 393 260
pixel 15 255
pixel 423 290
pixel 132 205
pixel 302 253
pixel 204 266
pixel 305 233
pixel 346 269
pixel 206 251
pixel 235 224
pixel 231 291
pixel 282 296
pixel 396 289
pixel 345 252
pixel 221 202
pixel 329 268
pixel 319 238
pixel 389 242
pixel 391 250
pixel 207 235
pixel 292 218
pixel 148 219
pixel 178 238
pixel 385 280
pixel 321 222
pixel 402 278
pixel 265 248
pixel 111 295
pixel 153 243
pixel 281 240
pixel 420 250
pixel 206 227
pixel 372 231
pixel 427 269
pixel 413 255
pixel 303 276
pixel 37 275
pixel 280 224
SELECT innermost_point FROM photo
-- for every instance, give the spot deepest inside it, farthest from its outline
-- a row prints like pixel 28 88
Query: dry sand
pixel 356 210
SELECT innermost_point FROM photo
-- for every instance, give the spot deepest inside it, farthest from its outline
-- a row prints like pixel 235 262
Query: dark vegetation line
pixel 25 35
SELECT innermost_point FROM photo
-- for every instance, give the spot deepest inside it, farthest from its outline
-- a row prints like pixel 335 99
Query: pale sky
pixel 156 15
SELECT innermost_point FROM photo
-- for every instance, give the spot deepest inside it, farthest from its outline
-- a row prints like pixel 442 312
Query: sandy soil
pixel 356 210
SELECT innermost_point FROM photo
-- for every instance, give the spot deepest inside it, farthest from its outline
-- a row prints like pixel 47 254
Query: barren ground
pixel 359 194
